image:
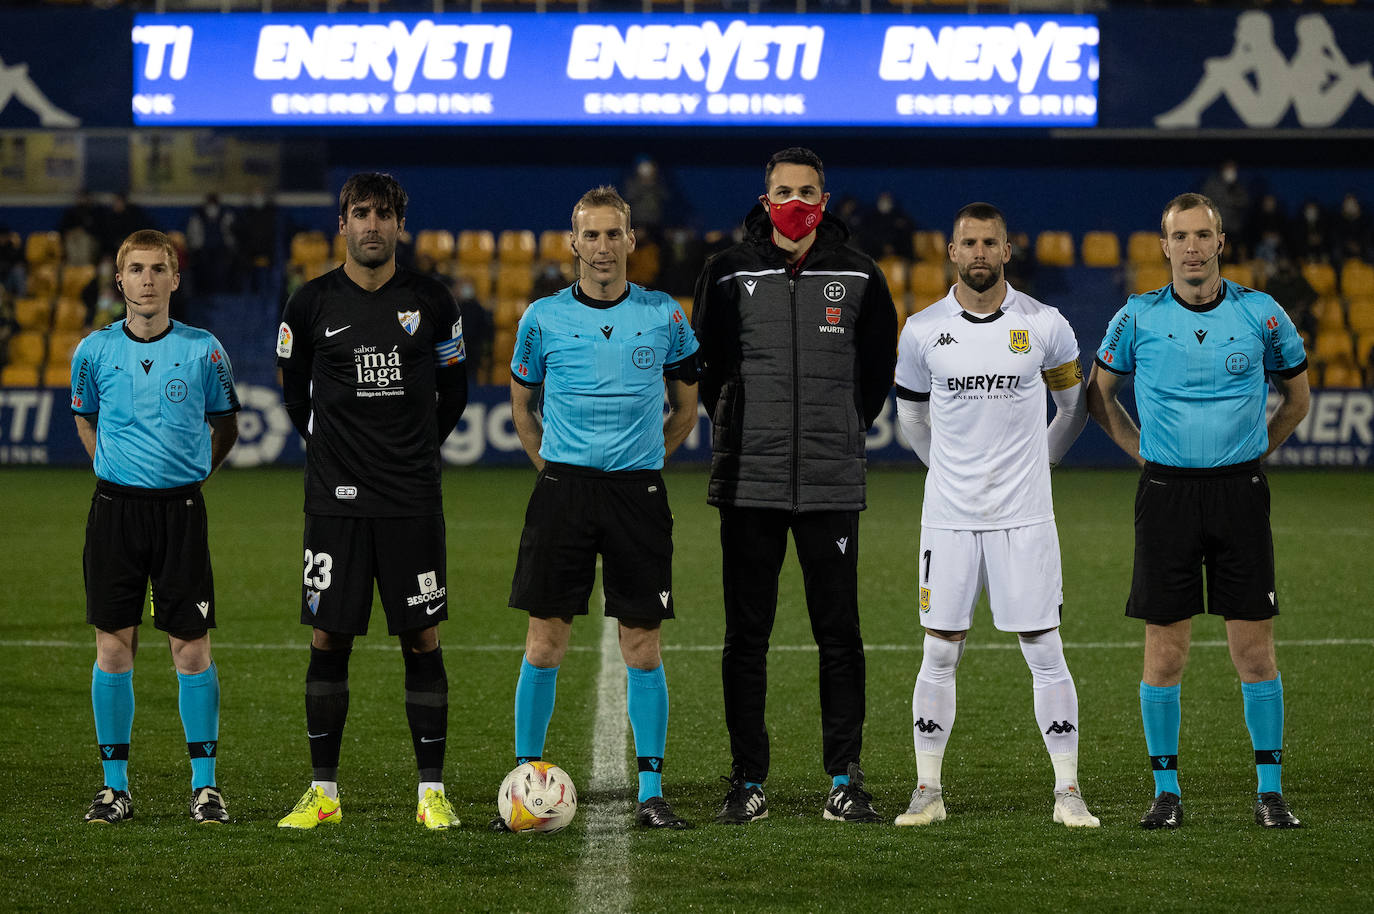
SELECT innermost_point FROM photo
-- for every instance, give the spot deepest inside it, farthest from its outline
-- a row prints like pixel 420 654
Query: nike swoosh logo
pixel 317 735
pixel 329 333
pixel 430 612
pixel 437 739
pixel 321 815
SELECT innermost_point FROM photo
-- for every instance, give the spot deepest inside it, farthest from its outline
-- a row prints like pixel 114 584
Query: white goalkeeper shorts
pixel 1019 567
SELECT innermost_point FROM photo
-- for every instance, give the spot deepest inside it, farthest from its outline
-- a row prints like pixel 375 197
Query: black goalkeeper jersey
pixel 371 359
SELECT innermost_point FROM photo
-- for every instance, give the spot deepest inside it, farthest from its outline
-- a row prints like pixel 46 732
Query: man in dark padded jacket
pixel 798 340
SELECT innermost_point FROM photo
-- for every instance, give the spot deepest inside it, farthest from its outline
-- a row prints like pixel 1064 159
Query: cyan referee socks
pixel 534 698
pixel 112 700
pixel 198 701
pixel 1160 713
pixel 1264 718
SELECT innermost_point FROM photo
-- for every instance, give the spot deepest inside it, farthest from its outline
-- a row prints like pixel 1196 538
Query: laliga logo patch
pixel 834 291
pixel 1020 341
pixel 925 599
pixel 410 321
pixel 284 341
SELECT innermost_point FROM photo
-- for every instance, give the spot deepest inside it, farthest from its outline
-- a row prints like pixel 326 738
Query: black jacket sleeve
pixel 716 327
pixel 295 389
pixel 876 358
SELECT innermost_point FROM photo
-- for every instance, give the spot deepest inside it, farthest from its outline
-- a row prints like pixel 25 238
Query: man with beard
pixel 798 336
pixel 972 370
pixel 371 358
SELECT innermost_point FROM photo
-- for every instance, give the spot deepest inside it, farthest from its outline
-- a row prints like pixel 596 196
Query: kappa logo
pixel 1060 726
pixel 1200 334
pixel 945 340
pixel 842 542
pixel 832 315
pixel 834 291
pixel 1020 341
pixel 663 596
pixel 927 726
pixel 204 607
pixel 16 83
pixel 749 285
pixel 410 321
pixel 1319 83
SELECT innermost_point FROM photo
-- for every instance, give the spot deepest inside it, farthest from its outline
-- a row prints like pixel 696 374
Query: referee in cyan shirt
pixel 155 406
pixel 1202 350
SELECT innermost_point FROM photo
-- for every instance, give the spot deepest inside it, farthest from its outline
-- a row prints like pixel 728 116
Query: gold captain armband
pixel 1065 376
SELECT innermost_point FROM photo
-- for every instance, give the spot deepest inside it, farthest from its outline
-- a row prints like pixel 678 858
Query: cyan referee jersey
pixel 153 398
pixel 1200 372
pixel 602 365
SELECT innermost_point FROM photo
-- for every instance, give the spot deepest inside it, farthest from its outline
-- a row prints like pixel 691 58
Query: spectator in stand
pixel 887 230
pixel 649 197
pixel 256 233
pixel 1294 294
pixel 1268 230
pixel 1020 269
pixel 1231 197
pixel 80 228
pixel 1351 235
pixel 479 329
pixel 210 236
pixel 121 220
pixel 12 263
pixel 1310 237
pixel 683 255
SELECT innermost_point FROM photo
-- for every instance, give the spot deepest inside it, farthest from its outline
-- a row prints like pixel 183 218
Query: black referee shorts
pixel 1188 519
pixel 343 555
pixel 575 513
pixel 136 535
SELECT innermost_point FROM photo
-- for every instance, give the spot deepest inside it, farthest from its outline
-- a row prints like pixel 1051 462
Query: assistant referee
pixel 155 405
pixel 1202 350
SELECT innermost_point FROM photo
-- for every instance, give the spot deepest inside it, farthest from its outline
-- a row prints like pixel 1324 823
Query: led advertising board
pixel 615 70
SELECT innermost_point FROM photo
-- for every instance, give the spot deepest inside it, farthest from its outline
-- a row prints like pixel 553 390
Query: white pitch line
pixel 603 880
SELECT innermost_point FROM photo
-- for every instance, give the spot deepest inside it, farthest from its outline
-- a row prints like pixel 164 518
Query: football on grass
pixel 537 796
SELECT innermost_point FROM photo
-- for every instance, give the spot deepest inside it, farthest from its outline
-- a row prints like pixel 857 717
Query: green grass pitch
pixel 998 851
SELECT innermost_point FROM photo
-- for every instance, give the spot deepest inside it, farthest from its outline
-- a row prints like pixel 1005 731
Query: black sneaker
pixel 656 813
pixel 499 826
pixel 1272 812
pixel 207 806
pixel 110 806
pixel 743 804
pixel 1165 812
pixel 850 802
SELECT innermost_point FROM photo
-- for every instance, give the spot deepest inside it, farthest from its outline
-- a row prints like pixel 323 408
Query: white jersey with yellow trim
pixel 986 377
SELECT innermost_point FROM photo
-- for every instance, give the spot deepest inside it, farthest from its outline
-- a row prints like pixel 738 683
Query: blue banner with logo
pixel 566 69
pixel 36 427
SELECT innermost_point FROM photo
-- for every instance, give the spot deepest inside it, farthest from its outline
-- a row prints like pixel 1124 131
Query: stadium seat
pixel 69 315
pixel 476 246
pixel 1330 313
pixel 57 373
pixel 1341 374
pixel 478 274
pixel 1357 279
pixel 928 283
pixel 1150 276
pixel 62 345
pixel 929 245
pixel 507 315
pixel 42 280
pixel 1364 353
pixel 1321 276
pixel 685 302
pixel 75 280
pixel 644 264
pixel 1334 347
pixel 19 376
pixel 317 268
pixel 1143 248
pixel 502 349
pixel 43 247
pixel 1101 249
pixel 32 313
pixel 514 281
pixel 436 244
pixel 516 247
pixel 309 248
pixel 1240 273
pixel 1361 314
pixel 338 250
pixel 1054 249
pixel 27 347
pixel 553 246
pixel 896 270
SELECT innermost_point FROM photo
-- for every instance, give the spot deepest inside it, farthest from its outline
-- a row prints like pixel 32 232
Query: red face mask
pixel 794 219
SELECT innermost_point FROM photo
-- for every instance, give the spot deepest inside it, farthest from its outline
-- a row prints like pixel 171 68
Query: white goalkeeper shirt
pixel 986 377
